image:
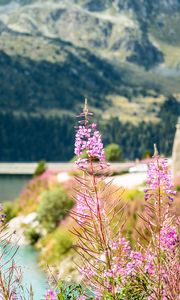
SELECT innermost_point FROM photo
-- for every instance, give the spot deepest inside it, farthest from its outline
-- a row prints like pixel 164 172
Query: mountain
pixel 119 29
pixel 124 55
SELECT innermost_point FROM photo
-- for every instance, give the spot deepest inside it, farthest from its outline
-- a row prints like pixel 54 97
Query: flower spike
pixel 156 153
pixel 86 108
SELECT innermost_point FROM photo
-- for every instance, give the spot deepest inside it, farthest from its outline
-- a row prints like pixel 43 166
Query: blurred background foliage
pixel 52 138
pixel 54 206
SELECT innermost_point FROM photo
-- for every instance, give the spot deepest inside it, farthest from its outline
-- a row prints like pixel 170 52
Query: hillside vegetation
pixel 123 55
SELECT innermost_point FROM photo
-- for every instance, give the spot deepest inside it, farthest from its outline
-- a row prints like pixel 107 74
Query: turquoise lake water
pixel 26 257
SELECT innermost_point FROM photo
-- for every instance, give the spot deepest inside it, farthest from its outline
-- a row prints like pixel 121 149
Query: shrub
pixel 147 154
pixel 63 242
pixel 41 168
pixel 30 195
pixel 53 207
pixel 112 152
pixel 10 210
pixel 56 246
pixel 32 235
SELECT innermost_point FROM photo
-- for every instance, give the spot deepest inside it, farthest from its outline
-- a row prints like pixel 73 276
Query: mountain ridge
pixel 118 30
pixel 123 55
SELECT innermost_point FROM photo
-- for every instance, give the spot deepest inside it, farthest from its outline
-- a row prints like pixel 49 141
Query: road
pixel 29 168
pixel 128 181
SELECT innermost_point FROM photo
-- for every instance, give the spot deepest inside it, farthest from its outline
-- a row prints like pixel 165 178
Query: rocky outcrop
pixel 145 54
pixel 116 29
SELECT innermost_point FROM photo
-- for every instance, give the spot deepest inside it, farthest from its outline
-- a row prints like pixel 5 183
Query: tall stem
pixel 5 294
pixel 159 236
pixel 100 221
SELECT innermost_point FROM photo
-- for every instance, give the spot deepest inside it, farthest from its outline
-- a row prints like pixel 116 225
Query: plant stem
pixel 5 294
pixel 159 236
pixel 103 237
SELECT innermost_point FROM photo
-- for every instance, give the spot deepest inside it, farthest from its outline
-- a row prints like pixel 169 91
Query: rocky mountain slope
pixel 121 29
pixel 123 54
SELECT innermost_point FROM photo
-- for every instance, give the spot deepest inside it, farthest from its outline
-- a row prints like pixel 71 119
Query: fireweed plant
pixel 103 250
pixel 162 254
pixel 111 269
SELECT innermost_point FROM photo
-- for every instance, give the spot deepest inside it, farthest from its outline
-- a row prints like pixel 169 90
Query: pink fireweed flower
pixel 50 295
pixel 84 205
pixel 136 261
pixel 126 245
pixel 158 176
pixel 169 238
pixel 113 245
pixel 88 141
pixel 149 266
pixel 87 271
pixel 128 264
